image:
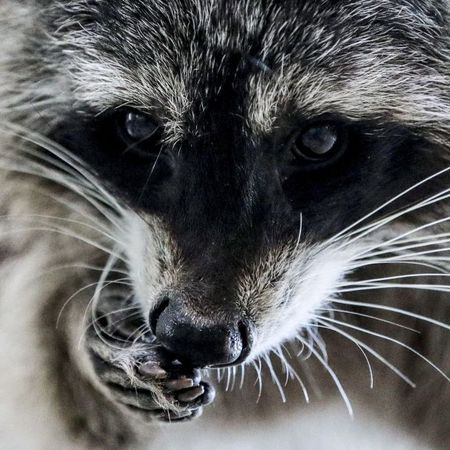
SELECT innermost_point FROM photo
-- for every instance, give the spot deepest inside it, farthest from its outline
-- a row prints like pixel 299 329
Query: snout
pixel 198 341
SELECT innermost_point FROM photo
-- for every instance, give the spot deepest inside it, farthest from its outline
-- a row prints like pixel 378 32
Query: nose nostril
pixel 245 333
pixel 156 313
pixel 245 338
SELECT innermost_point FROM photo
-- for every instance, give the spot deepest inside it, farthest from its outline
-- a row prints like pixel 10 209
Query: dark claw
pixel 152 370
pixel 196 413
pixel 191 394
pixel 209 394
pixel 179 384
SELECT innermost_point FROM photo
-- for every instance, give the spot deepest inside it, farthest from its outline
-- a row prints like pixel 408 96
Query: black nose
pixel 194 342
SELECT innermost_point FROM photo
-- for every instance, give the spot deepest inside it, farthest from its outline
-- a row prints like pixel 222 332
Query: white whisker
pixel 366 347
pixel 96 296
pixel 33 217
pixel 380 286
pixel 299 237
pixel 76 164
pixel 394 310
pixel 396 277
pixel 258 369
pixel 404 261
pixel 274 376
pixel 418 242
pixel 390 339
pixel 292 374
pixel 343 233
pixel 409 233
pixel 241 383
pixel 368 316
pixel 369 366
pixel 67 233
pixel 332 374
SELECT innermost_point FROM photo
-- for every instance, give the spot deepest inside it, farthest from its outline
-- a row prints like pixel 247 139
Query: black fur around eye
pixel 318 142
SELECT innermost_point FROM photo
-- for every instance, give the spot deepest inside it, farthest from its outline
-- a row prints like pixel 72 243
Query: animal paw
pixel 144 379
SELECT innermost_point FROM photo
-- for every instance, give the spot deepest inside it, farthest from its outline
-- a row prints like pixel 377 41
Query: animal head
pixel 260 150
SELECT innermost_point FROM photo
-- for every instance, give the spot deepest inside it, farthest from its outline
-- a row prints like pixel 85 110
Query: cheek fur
pixel 142 255
pixel 153 258
pixel 308 285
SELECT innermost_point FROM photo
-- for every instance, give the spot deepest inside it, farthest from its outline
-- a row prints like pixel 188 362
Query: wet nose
pixel 197 344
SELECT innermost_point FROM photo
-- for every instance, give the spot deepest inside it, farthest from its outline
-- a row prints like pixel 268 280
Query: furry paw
pixel 145 380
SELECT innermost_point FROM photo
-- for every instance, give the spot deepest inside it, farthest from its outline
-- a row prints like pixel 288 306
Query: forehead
pixel 358 58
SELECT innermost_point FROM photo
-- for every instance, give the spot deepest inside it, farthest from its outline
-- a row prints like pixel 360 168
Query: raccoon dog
pixel 241 196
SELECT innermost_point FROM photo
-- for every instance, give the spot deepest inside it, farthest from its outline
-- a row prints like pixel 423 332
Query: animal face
pixel 248 140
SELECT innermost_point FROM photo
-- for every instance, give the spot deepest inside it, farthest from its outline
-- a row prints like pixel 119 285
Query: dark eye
pixel 138 130
pixel 318 142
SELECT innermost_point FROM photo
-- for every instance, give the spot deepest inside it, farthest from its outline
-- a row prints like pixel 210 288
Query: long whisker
pixel 379 286
pixel 228 383
pixel 67 233
pixel 112 220
pixel 331 373
pixel 292 374
pixel 345 231
pixel 409 233
pixel 371 351
pixel 92 304
pixel 275 378
pixel 79 291
pixel 152 169
pixel 138 333
pixel 44 173
pixel 72 172
pixel 418 242
pixel 394 277
pixel 30 217
pixel 394 310
pixel 300 231
pixel 61 267
pixel 428 263
pixel 61 311
pixel 105 332
pixel 421 254
pixel 390 339
pixel 257 366
pixel 67 157
pixel 368 316
pixel 381 223
pixel 366 358
pixel 318 341
pixel 241 383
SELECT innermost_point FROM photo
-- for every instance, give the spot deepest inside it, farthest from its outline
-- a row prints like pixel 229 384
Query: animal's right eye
pixel 140 133
pixel 138 126
pixel 319 142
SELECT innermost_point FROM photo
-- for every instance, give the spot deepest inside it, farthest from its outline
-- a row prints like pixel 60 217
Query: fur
pixel 342 271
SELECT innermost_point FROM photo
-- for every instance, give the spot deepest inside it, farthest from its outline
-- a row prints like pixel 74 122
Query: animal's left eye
pixel 318 142
pixel 138 127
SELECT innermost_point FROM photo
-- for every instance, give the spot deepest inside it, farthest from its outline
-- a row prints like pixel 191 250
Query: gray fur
pixel 56 59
